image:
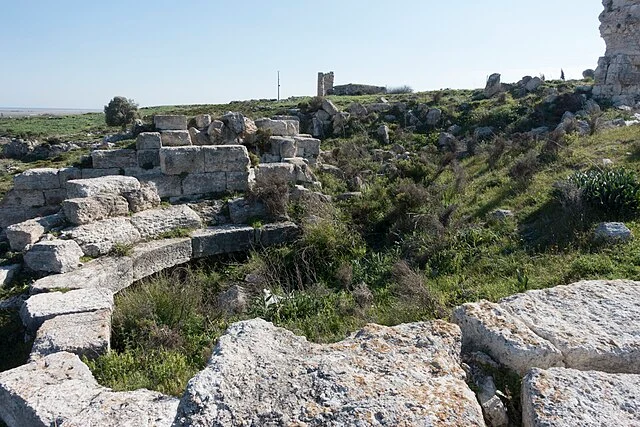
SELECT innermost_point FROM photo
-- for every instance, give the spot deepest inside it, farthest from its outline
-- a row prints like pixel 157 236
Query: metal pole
pixel 278 85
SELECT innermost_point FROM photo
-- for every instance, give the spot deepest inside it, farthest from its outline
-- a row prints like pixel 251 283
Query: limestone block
pixel 149 159
pixel 60 390
pixel 489 328
pixel 29 232
pixel 329 107
pixel 106 273
pixel 99 173
pixel 41 307
pixel 203 121
pixel 67 174
pixel 433 116
pixel 284 172
pixel 181 160
pixel 170 122
pixel 109 159
pixel 166 185
pixel 567 397
pixel 148 141
pixel 226 158
pixel 85 210
pixel 277 233
pixel 282 146
pixel 175 138
pixel 107 184
pixel 279 127
pixel 198 137
pixel 241 209
pixel 307 147
pixel 204 183
pixel 13 215
pixel 23 199
pixel 238 181
pixel 84 334
pixel 55 196
pixel 8 272
pixel 54 256
pixel 152 257
pixel 152 223
pixel 406 375
pixel 612 232
pixel 37 179
pixel 145 198
pixel 221 240
pixel 100 237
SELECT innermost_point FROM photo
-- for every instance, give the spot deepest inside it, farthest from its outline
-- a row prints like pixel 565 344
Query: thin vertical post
pixel 278 85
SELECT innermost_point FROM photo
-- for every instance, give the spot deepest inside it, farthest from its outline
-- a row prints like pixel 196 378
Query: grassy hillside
pixel 418 240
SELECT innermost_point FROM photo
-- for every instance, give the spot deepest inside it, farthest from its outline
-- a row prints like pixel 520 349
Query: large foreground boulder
pixel 590 325
pixel 263 375
pixel 59 390
pixel 567 397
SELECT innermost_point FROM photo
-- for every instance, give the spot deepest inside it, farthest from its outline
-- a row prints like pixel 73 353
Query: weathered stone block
pixel 166 185
pixel 29 232
pixel 55 196
pixel 279 127
pixel 170 122
pixel 181 160
pixel 198 137
pixel 221 240
pixel 99 238
pixel 203 121
pixel 67 174
pixel 612 232
pixel 276 171
pixel 242 209
pixel 308 148
pixel 175 138
pixel 8 272
pixel 238 181
pixel 95 208
pixel 148 141
pixel 106 273
pixel 148 159
pixel 55 256
pixel 277 233
pixel 145 198
pixel 109 159
pixel 84 334
pixel 37 179
pixel 152 223
pixel 41 307
pixel 204 183
pixel 283 146
pixel 153 257
pixel 108 184
pixel 23 199
pixel 226 158
pixel 99 173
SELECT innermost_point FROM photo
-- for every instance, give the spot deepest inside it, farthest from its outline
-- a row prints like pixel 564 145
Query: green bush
pixel 614 191
pixel 120 111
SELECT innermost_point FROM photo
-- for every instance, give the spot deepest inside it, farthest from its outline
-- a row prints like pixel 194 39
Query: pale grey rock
pixel 329 107
pixel 145 198
pixel 28 232
pixel 501 214
pixel 307 147
pixel 283 146
pixel 107 184
pixel 284 172
pixel 67 174
pixel 241 209
pixel 152 223
pixel 166 185
pixel 215 130
pixel 198 137
pixel 533 84
pixel 108 273
pixel 181 160
pixel 170 122
pixel 60 390
pixel 95 208
pixel 55 256
pixel 233 301
pixel 54 196
pixel 493 86
pixel 279 127
pixel 222 239
pixel 23 199
pixel 148 141
pixel 590 322
pixel 8 272
pixel 84 334
pixel 490 328
pixel 612 232
pixel 41 307
pixel 152 257
pixel 357 110
pixel 302 172
pixel 226 158
pixel 204 183
pixel 434 115
pixel 277 233
pixel 239 181
pixel 106 159
pixel 567 398
pixel 148 159
pixel 383 134
pixel 100 237
pixel 446 140
pixel 100 173
pixel 203 121
pixel 10 215
pixel 175 138
pixel 37 179
pixel 263 375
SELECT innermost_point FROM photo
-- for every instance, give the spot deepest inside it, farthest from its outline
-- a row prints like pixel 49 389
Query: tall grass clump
pixel 615 192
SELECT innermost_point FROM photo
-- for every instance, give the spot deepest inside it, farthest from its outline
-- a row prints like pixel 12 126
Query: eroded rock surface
pixel 263 375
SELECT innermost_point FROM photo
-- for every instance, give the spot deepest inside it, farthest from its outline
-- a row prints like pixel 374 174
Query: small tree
pixel 561 74
pixel 120 112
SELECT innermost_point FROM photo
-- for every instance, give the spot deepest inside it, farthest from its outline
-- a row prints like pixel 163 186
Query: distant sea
pixel 25 112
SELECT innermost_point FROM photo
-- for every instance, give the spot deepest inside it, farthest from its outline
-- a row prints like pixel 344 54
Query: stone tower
pixel 618 74
pixel 325 83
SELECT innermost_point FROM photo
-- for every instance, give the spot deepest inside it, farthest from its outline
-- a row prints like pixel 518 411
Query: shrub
pixel 273 193
pixel 120 111
pixel 524 168
pixel 614 191
pixel 400 90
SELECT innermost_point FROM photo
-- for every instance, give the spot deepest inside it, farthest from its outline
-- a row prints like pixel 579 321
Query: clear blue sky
pixel 79 54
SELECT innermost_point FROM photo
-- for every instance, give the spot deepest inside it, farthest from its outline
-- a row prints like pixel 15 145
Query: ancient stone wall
pixel 325 83
pixel 618 73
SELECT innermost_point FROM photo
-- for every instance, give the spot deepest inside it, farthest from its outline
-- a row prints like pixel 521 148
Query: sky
pixel 80 54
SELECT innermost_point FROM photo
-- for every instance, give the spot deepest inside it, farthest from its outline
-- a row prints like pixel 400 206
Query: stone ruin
pixel 325 83
pixel 618 74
